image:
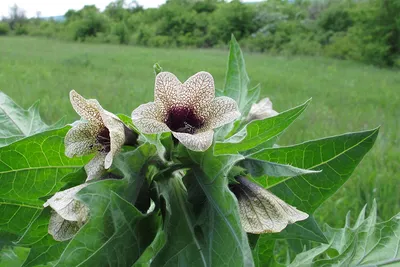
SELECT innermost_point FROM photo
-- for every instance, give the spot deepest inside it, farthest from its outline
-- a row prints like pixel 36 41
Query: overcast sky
pixel 59 7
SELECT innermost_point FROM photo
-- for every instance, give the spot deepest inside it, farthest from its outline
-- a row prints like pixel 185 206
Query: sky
pixel 59 7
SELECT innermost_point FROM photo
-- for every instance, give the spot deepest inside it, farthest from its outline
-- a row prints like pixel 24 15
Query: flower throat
pixel 183 120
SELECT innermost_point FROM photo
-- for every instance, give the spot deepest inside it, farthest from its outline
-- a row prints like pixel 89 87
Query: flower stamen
pixel 183 120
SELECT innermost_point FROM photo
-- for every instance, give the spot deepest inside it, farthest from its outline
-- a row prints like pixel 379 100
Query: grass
pixel 347 96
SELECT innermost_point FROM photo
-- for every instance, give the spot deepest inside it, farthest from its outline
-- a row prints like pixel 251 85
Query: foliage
pixel 367 242
pixel 163 204
pixel 367 31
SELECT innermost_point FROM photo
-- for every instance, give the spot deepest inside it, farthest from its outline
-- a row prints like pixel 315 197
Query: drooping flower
pixel 68 215
pixel 261 110
pixel 261 211
pixel 189 110
pixel 102 133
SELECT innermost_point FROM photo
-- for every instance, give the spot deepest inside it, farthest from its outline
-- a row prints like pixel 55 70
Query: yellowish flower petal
pixel 95 167
pixel 196 142
pixel 65 204
pixel 147 120
pixel 221 111
pixel 263 212
pixel 61 229
pixel 81 140
pixel 87 109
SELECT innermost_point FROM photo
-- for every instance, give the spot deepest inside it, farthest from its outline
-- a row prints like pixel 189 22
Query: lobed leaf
pixel 17 123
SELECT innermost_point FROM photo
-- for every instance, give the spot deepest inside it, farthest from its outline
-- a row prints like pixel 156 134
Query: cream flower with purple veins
pixel 102 133
pixel 261 211
pixel 261 110
pixel 69 214
pixel 189 110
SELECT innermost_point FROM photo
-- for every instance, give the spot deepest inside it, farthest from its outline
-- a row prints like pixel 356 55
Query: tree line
pixel 362 30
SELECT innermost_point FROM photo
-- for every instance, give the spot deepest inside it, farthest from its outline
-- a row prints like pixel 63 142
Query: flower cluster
pixel 191 112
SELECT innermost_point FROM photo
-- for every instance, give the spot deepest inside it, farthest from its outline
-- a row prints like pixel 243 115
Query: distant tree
pixel 16 16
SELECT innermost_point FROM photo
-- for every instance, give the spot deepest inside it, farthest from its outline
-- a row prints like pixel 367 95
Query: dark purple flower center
pixel 183 120
pixel 103 138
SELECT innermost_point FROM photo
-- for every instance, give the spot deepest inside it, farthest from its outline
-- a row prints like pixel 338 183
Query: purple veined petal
pixel 87 109
pixel 196 142
pixel 81 140
pixel 95 167
pixel 221 111
pixel 147 119
pixel 198 91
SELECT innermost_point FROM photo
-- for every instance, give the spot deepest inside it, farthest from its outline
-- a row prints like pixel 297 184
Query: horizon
pixel 59 8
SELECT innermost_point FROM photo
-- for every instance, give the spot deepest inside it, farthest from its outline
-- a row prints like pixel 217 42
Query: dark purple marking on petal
pixel 183 120
pixel 103 138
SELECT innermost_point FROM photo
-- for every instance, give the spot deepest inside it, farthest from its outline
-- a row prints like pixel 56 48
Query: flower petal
pixel 65 204
pixel 196 142
pixel 147 120
pixel 222 110
pixel 117 135
pixel 166 91
pixel 261 110
pixel 81 140
pixel 61 229
pixel 95 167
pixel 261 211
pixel 198 91
pixel 87 109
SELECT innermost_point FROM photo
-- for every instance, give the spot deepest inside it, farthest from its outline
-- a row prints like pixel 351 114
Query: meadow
pixel 346 97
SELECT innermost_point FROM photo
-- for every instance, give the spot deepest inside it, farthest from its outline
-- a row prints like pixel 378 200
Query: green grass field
pixel 347 97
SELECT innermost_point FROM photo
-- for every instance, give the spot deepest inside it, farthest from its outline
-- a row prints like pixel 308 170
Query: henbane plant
pixel 187 180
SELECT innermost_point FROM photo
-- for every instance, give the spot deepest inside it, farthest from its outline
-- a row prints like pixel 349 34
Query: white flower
pixel 261 211
pixel 261 110
pixel 69 214
pixel 189 110
pixel 103 133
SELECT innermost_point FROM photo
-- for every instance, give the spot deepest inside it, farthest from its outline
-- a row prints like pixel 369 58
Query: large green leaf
pixel 30 169
pixel 17 123
pixel 259 132
pixel 203 216
pixel 13 256
pixel 182 246
pixel 237 80
pixel 335 157
pixel 111 236
pixel 367 243
pixel 216 210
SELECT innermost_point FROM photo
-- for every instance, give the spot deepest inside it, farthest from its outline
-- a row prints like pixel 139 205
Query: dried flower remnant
pixel 261 110
pixel 189 110
pixel 102 133
pixel 261 211
pixel 69 214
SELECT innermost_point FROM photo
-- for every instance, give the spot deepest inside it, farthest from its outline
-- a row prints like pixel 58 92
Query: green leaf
pixel 264 252
pixel 367 243
pixel 259 168
pixel 202 217
pixel 182 246
pixel 151 251
pixel 111 236
pixel 13 256
pixel 336 157
pixel 258 132
pixel 237 80
pixel 17 123
pixel 30 169
pixel 216 210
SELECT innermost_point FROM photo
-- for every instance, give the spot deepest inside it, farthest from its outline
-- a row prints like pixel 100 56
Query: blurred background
pixel 345 54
